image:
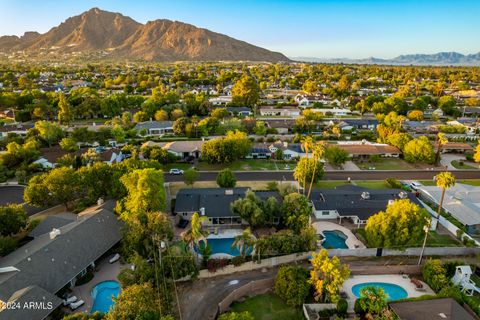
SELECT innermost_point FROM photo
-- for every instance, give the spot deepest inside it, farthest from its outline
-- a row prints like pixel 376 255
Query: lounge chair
pixel 115 258
pixel 418 284
pixel 76 305
pixel 69 300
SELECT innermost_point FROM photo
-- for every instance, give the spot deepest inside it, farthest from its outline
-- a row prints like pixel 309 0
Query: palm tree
pixel 441 141
pixel 244 241
pixel 307 144
pixel 445 180
pixel 318 151
pixel 195 234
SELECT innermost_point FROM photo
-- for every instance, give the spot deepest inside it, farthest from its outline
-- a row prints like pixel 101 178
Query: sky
pixel 306 28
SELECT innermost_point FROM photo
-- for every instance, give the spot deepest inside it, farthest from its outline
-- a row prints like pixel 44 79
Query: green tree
pixel 291 284
pixel 250 209
pixel 244 242
pixel 318 151
pixel 296 212
pixel 190 176
pixel 441 141
pixel 476 155
pixel 434 274
pixel 327 276
pixel 7 245
pixel 138 301
pixel 260 129
pixel 245 92
pixel 307 169
pixel 161 115
pixel 145 192
pixel 50 132
pixel 447 104
pixel 68 144
pixel 226 179
pixel 419 150
pixel 444 180
pixel 60 185
pixel 236 316
pixel 12 219
pixel 65 114
pixel 336 156
pixel 401 224
pixel 233 146
pixel 373 300
pixel 416 115
pixel 399 139
pixel 219 113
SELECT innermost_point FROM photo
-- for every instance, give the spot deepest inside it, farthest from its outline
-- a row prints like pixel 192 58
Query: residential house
pixel 20 129
pixel 214 203
pixel 430 309
pixel 308 100
pixel 433 113
pixel 54 260
pixel 283 126
pixel 7 114
pixel 455 147
pixel 471 125
pixel 259 151
pixel 182 149
pixel 358 124
pixel 240 111
pixel 333 112
pixel 293 151
pixel 154 128
pixel 365 150
pixel 275 112
pixel 220 100
pixel 112 155
pixel 354 202
pixel 462 201
pixel 420 126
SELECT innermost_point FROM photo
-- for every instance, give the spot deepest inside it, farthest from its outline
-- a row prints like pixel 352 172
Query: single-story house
pixel 283 126
pixel 240 111
pixel 275 112
pixel 37 271
pixel 20 129
pixel 359 150
pixel 214 203
pixel 335 112
pixel 354 202
pixel 260 151
pixel 154 128
pixel 358 124
pixel 462 201
pixel 420 126
pixel 181 149
pixel 112 155
pixel 293 150
pixel 431 309
pixel 220 100
pixel 455 147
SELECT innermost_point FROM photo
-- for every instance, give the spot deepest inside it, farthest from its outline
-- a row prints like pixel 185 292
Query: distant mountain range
pixel 437 59
pixel 122 37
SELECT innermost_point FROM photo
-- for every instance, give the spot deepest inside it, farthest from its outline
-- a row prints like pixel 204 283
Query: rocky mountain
pixel 123 37
pixel 437 59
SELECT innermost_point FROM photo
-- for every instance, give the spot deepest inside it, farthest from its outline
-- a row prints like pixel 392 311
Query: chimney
pixel 202 211
pixel 54 233
pixel 365 195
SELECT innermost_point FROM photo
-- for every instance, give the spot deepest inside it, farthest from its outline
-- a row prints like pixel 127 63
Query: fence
pixel 369 252
pixel 252 288
pixel 310 311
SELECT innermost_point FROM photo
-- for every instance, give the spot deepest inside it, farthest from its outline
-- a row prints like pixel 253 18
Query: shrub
pixel 214 264
pixel 236 261
pixel 393 183
pixel 357 308
pixel 7 245
pixel 291 285
pixel 342 307
pixel 435 275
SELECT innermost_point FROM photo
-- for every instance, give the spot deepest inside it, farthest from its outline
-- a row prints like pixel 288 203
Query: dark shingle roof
pixel 153 125
pixel 347 200
pixel 431 310
pixel 28 295
pixel 51 263
pixel 49 223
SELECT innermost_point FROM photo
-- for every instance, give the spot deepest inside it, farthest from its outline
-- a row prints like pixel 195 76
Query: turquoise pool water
pixel 102 295
pixel 334 239
pixel 223 245
pixel 394 292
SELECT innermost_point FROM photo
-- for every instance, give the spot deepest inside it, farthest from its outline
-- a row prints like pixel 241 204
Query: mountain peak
pixel 123 37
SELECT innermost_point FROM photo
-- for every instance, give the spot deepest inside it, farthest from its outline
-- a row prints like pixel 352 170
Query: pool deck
pixel 107 271
pixel 400 280
pixel 352 242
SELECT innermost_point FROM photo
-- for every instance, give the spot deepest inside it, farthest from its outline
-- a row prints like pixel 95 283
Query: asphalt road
pixel 332 175
pixel 14 194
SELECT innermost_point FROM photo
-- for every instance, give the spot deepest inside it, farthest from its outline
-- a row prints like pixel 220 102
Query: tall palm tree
pixel 307 144
pixel 445 180
pixel 244 241
pixel 195 234
pixel 441 141
pixel 318 151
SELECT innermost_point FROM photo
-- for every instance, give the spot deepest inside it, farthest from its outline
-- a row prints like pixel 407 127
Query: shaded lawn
pixel 329 184
pixel 434 239
pixel 268 307
pixel 386 164
pixel 462 165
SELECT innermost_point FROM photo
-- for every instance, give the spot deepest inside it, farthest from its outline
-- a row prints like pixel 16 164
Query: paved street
pixel 332 175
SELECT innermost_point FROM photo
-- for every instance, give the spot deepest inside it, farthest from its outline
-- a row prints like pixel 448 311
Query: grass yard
pixel 472 182
pixel 254 185
pixel 371 184
pixel 462 165
pixel 182 166
pixel 268 307
pixel 386 164
pixel 329 184
pixel 247 165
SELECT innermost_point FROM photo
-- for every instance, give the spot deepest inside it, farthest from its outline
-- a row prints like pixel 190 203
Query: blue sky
pixel 322 28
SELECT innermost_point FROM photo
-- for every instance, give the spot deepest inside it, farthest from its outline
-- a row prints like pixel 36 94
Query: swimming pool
pixel 394 292
pixel 334 239
pixel 102 295
pixel 222 245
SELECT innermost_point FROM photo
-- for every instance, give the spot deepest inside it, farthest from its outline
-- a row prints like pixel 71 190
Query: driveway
pixel 447 158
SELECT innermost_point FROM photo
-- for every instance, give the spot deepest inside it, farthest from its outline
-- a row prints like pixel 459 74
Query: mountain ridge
pixel 436 59
pixel 122 37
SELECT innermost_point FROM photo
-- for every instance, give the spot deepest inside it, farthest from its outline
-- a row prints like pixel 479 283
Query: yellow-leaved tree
pixel 327 276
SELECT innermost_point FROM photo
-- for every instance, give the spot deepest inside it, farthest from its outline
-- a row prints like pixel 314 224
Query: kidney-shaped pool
pixel 394 291
pixel 102 295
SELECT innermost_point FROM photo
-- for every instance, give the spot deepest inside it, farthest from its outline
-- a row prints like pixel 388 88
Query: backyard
pixel 268 307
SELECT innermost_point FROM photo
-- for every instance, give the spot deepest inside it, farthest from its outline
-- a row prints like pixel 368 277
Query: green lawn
pixel 386 164
pixel 434 239
pixel 268 307
pixel 371 184
pixel 461 165
pixel 248 165
pixel 330 184
pixel 182 166
pixel 472 182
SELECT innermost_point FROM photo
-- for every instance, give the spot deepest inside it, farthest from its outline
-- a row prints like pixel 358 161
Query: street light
pixel 426 228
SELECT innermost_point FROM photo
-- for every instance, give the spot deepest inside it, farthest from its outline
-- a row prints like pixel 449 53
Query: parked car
pixel 175 171
pixel 415 185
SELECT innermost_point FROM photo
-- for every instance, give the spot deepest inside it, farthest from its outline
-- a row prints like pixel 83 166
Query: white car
pixel 415 185
pixel 176 171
